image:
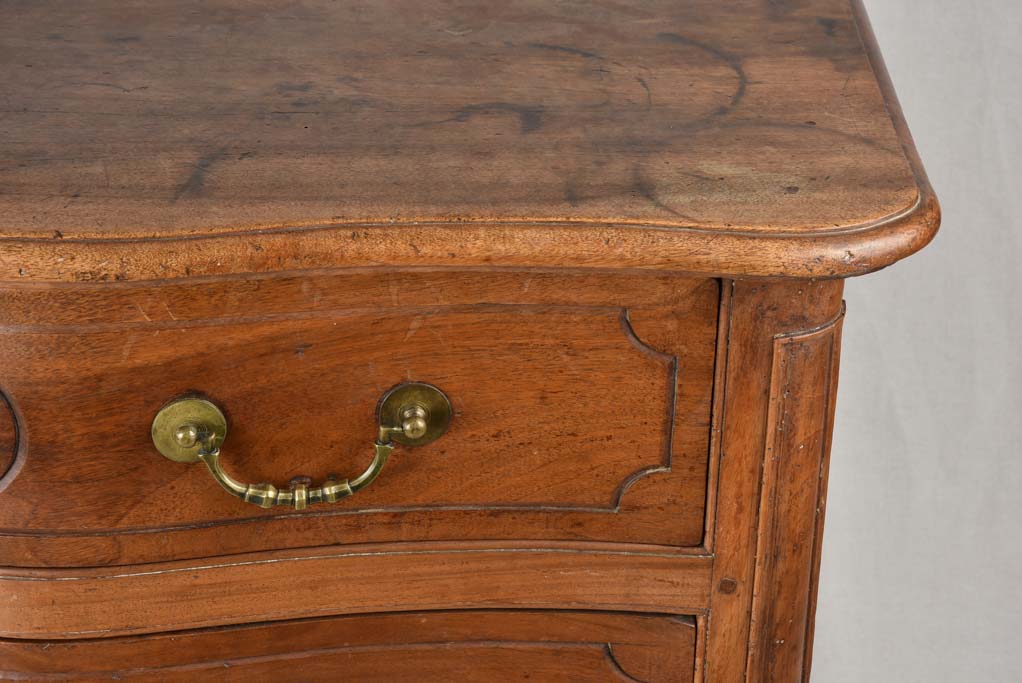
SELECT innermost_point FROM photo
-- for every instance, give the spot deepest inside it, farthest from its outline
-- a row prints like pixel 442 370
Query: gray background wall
pixel 922 563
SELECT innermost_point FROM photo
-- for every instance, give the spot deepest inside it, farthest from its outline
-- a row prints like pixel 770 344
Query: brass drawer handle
pixel 193 429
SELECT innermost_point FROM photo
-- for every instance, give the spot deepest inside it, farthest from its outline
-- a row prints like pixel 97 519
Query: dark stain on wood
pixel 734 62
pixel 193 185
pixel 530 117
pixel 566 49
pixel 359 116
pixel 829 26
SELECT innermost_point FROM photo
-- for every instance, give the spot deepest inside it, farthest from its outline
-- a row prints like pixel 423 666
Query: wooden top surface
pixel 747 137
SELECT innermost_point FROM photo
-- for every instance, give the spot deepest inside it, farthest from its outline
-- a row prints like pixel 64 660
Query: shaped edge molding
pixel 8 437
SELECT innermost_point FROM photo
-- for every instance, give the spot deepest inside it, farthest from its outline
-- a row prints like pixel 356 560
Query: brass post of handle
pixel 193 429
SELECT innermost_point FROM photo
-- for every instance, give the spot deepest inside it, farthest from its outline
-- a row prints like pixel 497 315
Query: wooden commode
pixel 430 340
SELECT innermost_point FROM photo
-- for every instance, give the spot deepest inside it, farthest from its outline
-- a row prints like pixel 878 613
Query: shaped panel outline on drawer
pixel 11 438
pixel 663 464
pixel 655 647
pixel 666 461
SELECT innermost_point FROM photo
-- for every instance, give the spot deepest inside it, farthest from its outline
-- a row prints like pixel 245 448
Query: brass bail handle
pixel 193 429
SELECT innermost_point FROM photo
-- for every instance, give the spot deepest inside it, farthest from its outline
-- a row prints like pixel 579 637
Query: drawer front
pixel 465 646
pixel 581 411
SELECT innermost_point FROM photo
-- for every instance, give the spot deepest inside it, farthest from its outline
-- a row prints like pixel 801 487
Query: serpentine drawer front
pixel 426 647
pixel 572 416
pixel 430 340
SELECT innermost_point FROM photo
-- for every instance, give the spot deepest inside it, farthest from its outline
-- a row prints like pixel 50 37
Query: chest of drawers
pixel 430 341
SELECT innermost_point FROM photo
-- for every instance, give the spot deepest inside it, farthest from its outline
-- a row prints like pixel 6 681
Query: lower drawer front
pixel 417 646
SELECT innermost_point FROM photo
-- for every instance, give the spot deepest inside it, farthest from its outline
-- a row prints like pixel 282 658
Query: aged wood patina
pixel 613 235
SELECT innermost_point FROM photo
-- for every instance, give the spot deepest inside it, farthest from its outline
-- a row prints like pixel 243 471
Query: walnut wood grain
pixel 792 502
pixel 612 232
pixel 764 509
pixel 60 604
pixel 582 410
pixel 744 138
pixel 480 646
